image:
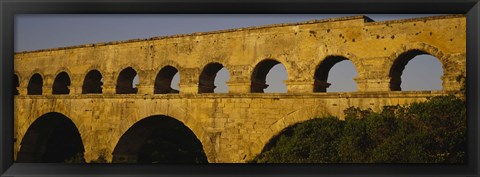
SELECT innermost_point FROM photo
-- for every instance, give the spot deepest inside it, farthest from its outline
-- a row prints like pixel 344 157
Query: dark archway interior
pixel 52 138
pixel 159 139
pixel 61 83
pixel 35 85
pixel 125 81
pixel 163 81
pixel 92 83
pixel 398 66
pixel 259 75
pixel 321 73
pixel 207 78
pixel 15 84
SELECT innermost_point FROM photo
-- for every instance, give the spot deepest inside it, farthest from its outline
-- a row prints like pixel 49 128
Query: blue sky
pixel 43 31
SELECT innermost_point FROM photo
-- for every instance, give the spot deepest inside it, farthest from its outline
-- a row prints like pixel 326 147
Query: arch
pixel 398 66
pixel 159 139
pixel 61 83
pixel 302 114
pixel 92 83
pixel 16 84
pixel 35 85
pixel 163 81
pixel 206 82
pixel 322 71
pixel 125 81
pixel 52 138
pixel 259 75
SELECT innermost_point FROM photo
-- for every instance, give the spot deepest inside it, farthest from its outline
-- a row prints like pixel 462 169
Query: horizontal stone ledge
pixel 373 94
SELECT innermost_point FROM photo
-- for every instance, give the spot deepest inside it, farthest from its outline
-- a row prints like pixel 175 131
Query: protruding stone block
pixel 188 88
pixel 372 85
pixel 299 86
pixel 145 89
pixel 239 87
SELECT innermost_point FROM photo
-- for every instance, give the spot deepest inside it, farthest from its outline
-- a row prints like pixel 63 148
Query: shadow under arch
pixel 35 85
pixel 163 81
pixel 206 82
pixel 125 81
pixel 159 139
pixel 61 83
pixel 16 83
pixel 396 70
pixel 259 75
pixel 52 138
pixel 322 70
pixel 92 83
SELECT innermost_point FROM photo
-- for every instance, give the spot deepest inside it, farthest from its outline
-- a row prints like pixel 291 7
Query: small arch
pixel 52 138
pixel 398 67
pixel 93 82
pixel 61 83
pixel 163 81
pixel 159 139
pixel 125 81
pixel 259 76
pixel 208 80
pixel 15 84
pixel 322 72
pixel 35 85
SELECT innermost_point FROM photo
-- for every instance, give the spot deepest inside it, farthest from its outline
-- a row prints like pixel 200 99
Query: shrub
pixel 429 132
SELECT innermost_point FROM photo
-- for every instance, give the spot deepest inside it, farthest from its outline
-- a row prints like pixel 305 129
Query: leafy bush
pixel 429 132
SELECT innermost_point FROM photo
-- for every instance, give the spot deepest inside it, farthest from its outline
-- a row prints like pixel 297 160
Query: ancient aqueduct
pixel 83 94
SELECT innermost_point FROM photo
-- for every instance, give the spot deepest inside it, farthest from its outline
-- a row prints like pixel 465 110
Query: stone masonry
pixel 233 126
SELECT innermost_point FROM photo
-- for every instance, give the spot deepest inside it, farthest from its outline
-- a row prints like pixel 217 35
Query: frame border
pixel 8 9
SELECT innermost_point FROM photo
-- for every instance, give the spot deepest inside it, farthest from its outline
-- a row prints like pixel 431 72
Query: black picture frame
pixel 8 9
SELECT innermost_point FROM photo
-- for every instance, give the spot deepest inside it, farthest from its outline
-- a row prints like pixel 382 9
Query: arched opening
pixel 52 138
pixel 424 73
pixel 341 72
pixel 163 81
pixel 125 81
pixel 15 84
pixel 92 83
pixel 35 85
pixel 176 82
pixel 159 139
pixel 213 79
pixel 261 74
pixel 61 83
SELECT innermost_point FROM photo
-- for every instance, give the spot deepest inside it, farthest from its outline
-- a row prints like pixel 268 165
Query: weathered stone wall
pixel 371 46
pixel 234 127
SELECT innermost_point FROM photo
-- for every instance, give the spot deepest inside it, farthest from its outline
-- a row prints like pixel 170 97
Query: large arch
pixel 61 83
pixel 322 71
pixel 93 82
pixel 125 81
pixel 206 82
pixel 398 67
pixel 159 139
pixel 35 85
pixel 259 75
pixel 163 81
pixel 300 115
pixel 52 138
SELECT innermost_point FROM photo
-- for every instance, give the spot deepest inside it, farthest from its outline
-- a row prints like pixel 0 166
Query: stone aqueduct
pixel 88 88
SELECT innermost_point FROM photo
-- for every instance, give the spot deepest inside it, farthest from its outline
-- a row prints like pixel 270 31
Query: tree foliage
pixel 429 132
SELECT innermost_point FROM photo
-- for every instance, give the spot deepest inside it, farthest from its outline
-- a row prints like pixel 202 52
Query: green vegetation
pixel 429 132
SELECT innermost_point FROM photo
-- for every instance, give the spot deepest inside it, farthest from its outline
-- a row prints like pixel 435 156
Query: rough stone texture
pixel 234 127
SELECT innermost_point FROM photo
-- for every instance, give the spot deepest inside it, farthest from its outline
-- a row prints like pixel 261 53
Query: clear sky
pixel 45 31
